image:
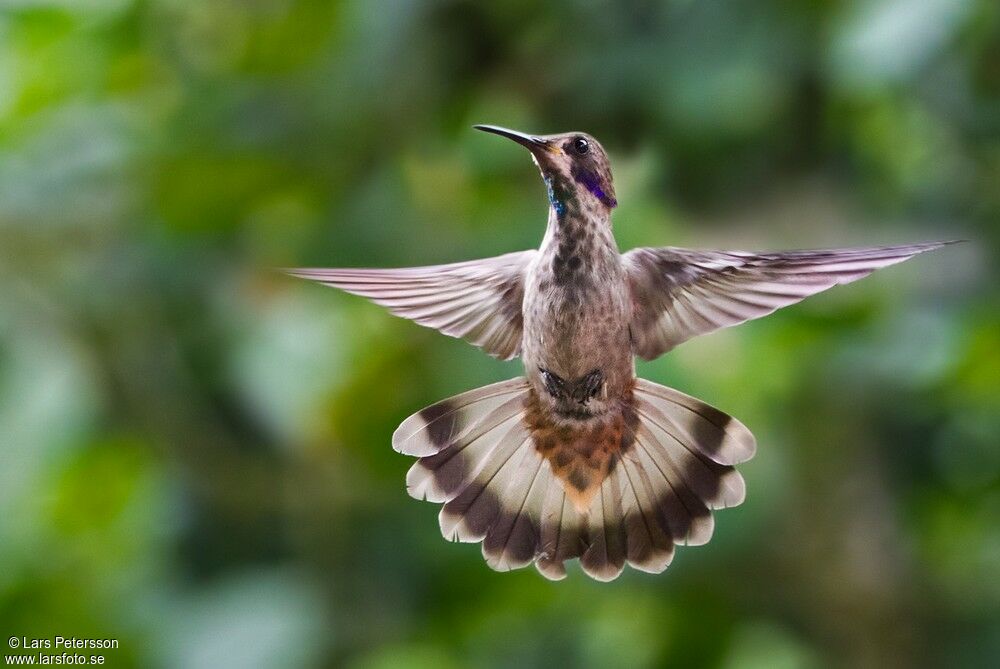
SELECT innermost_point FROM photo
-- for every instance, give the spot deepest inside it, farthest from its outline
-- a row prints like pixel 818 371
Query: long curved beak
pixel 531 142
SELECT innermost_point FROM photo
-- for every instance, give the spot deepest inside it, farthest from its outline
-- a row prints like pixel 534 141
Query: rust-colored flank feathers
pixel 581 453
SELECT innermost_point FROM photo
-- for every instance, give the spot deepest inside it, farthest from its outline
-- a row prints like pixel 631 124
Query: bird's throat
pixel 561 197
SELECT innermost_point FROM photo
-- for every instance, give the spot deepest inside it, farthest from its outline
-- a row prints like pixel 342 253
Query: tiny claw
pixel 588 386
pixel 555 385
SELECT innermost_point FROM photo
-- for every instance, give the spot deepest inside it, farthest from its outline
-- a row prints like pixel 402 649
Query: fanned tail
pixel 479 456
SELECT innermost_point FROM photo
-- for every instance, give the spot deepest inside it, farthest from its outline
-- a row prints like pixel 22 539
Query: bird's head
pixel 574 166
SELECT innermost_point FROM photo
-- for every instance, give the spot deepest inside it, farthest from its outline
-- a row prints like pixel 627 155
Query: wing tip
pixel 923 247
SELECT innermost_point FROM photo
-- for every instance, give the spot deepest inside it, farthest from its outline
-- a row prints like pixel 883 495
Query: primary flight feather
pixel 579 458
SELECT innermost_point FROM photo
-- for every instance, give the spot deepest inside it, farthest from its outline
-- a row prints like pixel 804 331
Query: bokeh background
pixel 194 449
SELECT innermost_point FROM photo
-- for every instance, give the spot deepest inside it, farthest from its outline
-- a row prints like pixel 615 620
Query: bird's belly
pixel 572 335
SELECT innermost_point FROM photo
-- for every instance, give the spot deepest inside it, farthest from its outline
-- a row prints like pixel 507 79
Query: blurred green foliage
pixel 194 449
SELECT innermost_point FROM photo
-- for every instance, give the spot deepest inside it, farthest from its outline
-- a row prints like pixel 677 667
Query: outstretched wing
pixel 680 293
pixel 478 300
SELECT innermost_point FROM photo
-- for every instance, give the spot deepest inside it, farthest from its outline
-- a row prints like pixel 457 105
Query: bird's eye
pixel 581 145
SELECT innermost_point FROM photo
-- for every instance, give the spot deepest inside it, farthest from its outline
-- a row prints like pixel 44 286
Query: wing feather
pixel 478 300
pixel 680 293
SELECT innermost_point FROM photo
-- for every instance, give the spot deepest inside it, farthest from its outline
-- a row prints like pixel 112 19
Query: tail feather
pixel 512 541
pixel 470 514
pixel 719 486
pixel 563 535
pixel 604 559
pixel 523 545
pixel 479 457
pixel 650 549
pixel 449 421
pixel 574 539
pixel 685 517
pixel 715 434
pixel 442 476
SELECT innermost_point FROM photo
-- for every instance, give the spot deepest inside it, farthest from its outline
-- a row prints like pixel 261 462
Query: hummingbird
pixel 579 458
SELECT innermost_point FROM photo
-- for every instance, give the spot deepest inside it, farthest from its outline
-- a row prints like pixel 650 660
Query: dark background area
pixel 194 449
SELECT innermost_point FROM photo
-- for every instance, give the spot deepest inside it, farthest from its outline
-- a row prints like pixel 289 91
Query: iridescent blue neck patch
pixel 557 204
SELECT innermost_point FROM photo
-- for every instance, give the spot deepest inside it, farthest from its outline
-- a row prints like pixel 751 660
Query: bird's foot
pixel 553 383
pixel 588 386
pixel 579 391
